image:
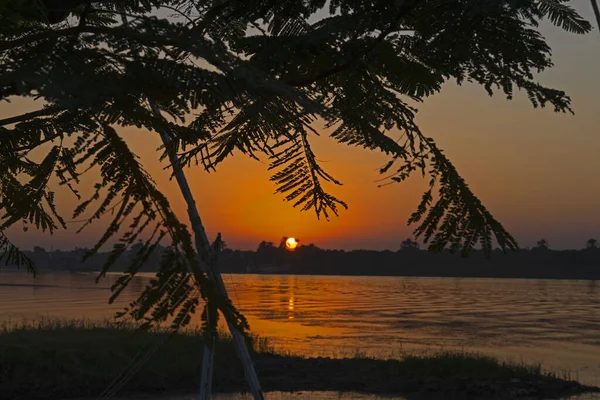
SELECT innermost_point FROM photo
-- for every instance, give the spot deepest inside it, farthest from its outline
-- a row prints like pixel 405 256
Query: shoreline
pixel 78 359
pixel 142 272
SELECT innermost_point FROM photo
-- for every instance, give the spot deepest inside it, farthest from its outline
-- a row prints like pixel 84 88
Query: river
pixel 554 322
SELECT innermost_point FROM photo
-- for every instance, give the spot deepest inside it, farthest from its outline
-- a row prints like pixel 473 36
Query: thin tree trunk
pixel 596 12
pixel 208 360
pixel 202 246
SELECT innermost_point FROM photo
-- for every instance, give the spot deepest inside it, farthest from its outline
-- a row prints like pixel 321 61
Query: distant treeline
pixel 409 260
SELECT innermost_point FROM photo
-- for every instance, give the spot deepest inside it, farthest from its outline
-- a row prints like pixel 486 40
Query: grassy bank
pixel 52 360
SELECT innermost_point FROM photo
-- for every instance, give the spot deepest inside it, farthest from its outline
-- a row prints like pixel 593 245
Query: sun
pixel 291 243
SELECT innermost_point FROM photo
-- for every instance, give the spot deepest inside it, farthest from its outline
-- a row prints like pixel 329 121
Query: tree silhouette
pixel 282 242
pixel 409 245
pixel 591 244
pixel 542 244
pixel 265 246
pixel 38 250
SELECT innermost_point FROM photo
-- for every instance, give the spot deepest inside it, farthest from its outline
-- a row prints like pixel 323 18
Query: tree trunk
pixel 208 359
pixel 596 12
pixel 202 246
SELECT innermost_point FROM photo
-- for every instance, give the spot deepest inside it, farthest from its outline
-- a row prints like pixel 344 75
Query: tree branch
pixel 30 115
pixel 304 81
pixel 25 40
pixel 190 21
pixel 55 34
pixel 37 144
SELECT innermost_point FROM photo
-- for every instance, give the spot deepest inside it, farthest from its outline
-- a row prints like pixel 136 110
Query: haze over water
pixel 555 322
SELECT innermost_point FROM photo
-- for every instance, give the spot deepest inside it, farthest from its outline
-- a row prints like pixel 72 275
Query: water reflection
pixel 282 396
pixel 542 286
pixel 291 308
pixel 314 396
pixel 555 322
pixel 305 395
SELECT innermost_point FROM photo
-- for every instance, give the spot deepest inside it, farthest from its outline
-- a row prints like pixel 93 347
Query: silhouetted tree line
pixel 409 260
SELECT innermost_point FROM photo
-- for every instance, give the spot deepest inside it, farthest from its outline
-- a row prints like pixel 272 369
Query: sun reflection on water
pixel 291 308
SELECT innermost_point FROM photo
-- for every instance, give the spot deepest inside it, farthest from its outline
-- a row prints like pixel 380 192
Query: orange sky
pixel 537 171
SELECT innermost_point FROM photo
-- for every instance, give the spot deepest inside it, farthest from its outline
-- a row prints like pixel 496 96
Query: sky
pixel 535 170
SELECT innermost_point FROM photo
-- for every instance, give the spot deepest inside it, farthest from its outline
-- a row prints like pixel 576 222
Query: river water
pixel 554 322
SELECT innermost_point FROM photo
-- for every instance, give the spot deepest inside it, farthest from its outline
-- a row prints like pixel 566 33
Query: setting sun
pixel 291 243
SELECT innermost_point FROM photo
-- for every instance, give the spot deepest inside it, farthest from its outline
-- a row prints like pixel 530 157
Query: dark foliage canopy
pixel 252 77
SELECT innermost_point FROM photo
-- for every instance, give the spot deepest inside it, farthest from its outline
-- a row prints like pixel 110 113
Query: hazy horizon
pixel 535 170
pixel 30 247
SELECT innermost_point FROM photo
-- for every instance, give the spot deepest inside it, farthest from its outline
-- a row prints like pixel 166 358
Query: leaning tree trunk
pixel 211 269
pixel 596 12
pixel 208 360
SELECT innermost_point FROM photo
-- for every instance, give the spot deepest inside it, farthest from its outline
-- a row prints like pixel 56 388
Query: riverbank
pixel 536 263
pixel 61 360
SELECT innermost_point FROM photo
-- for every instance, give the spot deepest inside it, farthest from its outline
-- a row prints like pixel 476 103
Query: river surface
pixel 554 322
